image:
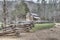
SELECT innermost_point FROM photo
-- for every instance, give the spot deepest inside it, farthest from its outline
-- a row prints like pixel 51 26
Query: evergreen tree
pixel 21 9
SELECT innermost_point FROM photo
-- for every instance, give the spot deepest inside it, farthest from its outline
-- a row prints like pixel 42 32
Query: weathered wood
pixel 16 29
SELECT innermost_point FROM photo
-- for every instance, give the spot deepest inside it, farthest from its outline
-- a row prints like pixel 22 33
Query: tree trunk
pixel 4 13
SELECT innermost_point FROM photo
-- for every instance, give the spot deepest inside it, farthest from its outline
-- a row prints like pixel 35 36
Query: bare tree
pixel 50 9
pixel 38 7
pixel 4 13
pixel 55 6
pixel 44 6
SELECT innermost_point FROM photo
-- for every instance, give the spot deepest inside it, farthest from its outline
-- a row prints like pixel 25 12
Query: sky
pixel 36 0
pixel 27 0
pixel 8 0
pixel 46 0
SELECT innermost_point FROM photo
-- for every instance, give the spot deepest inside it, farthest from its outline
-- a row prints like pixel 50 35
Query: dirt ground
pixel 46 34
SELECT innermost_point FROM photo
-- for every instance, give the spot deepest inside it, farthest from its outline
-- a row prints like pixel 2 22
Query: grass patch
pixel 42 26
